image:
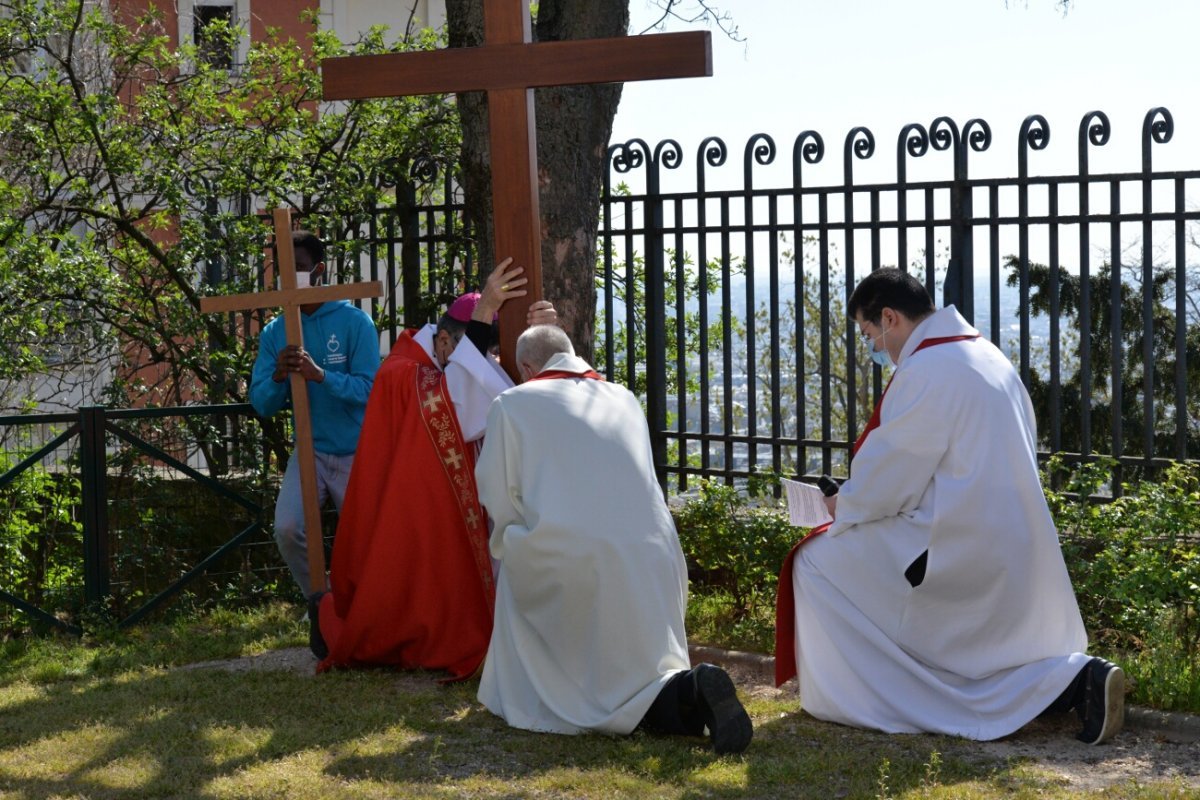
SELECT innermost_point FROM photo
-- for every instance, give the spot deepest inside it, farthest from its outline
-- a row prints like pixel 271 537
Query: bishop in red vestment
pixel 411 579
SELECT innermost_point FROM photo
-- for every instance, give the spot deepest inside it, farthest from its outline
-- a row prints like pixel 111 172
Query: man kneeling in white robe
pixel 938 600
pixel 592 588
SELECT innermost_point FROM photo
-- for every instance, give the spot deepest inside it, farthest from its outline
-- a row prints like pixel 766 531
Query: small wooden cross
pixel 289 297
pixel 508 66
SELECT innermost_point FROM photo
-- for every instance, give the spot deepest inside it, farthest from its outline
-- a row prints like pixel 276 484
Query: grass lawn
pixel 113 719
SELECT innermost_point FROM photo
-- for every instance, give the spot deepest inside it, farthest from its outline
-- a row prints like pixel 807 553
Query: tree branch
pixel 696 11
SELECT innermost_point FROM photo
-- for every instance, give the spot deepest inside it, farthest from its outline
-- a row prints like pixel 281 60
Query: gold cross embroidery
pixel 432 402
pixel 453 458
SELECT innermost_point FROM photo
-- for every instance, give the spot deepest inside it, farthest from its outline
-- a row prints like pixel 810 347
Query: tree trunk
pixel 573 127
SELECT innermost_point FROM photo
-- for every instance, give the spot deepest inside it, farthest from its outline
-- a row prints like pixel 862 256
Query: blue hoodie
pixel 342 340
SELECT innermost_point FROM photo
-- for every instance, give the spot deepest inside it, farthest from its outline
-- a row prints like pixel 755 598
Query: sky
pixel 830 65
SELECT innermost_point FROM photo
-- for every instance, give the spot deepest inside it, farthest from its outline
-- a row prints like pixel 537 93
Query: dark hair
pixel 450 325
pixel 889 288
pixel 308 242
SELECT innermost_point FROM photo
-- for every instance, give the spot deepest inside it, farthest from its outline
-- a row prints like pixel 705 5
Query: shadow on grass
pixel 209 733
pixel 792 756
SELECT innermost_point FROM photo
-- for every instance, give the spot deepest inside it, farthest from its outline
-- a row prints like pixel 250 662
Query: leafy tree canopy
pixel 132 173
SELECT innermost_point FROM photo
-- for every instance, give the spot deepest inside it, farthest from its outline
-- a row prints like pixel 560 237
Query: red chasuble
pixel 785 599
pixel 411 577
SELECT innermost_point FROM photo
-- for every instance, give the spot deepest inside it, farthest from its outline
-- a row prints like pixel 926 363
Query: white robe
pixel 472 379
pixel 993 635
pixel 592 586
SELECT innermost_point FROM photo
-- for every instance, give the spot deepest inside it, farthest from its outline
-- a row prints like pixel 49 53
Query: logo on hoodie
pixel 333 354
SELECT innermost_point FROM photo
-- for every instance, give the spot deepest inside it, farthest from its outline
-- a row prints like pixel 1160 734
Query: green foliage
pixel 1135 566
pixel 41 557
pixel 131 172
pixel 1134 558
pixel 734 548
pixel 714 618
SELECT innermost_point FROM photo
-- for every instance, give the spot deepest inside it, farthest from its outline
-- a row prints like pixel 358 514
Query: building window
pixel 211 25
pixel 212 33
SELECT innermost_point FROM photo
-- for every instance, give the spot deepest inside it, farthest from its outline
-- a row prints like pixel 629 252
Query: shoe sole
pixel 732 729
pixel 1114 705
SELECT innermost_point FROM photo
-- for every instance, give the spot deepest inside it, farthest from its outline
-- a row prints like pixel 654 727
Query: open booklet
pixel 806 504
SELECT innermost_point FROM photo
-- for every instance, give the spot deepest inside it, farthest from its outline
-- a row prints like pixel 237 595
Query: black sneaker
pixel 316 642
pixel 728 724
pixel 1102 710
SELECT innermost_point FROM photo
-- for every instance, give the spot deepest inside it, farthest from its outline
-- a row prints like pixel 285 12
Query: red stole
pixel 445 434
pixel 785 600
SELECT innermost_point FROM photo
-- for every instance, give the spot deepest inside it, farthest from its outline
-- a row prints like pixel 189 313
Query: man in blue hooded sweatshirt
pixel 339 369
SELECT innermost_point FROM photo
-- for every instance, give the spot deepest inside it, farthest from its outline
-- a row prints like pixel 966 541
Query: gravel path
pixel 1152 745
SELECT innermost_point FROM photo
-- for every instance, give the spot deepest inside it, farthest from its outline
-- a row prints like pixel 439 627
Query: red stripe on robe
pixel 552 374
pixel 411 577
pixel 785 599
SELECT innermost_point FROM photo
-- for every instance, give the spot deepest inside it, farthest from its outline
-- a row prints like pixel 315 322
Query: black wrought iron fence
pixel 116 512
pixel 726 306
pixel 722 304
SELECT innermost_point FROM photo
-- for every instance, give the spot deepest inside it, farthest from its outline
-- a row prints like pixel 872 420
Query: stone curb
pixel 1179 726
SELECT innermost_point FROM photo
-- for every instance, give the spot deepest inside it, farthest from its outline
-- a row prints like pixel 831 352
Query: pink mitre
pixel 462 308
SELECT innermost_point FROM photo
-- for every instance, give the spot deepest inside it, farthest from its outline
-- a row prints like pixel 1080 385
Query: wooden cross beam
pixel 508 66
pixel 290 297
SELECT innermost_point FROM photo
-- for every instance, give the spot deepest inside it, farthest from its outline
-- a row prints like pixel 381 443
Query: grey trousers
pixel 333 473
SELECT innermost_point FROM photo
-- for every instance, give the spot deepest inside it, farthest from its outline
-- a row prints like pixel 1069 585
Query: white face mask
pixel 305 280
pixel 881 357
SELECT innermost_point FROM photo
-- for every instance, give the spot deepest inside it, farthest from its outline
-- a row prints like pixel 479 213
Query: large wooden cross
pixel 289 297
pixel 508 66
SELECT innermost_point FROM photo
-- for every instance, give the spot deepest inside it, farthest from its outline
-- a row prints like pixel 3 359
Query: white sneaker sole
pixel 1114 705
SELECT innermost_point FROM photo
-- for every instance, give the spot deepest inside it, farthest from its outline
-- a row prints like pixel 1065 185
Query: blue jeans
pixel 333 473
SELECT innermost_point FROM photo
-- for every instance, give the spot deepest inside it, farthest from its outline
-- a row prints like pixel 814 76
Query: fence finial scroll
pixel 978 134
pixel 943 134
pixel 1035 135
pixel 760 149
pixel 424 169
pixel 1158 128
pixel 1096 129
pixel 809 148
pixel 628 156
pixel 668 153
pixel 713 152
pixel 860 143
pixel 913 138
pixel 914 141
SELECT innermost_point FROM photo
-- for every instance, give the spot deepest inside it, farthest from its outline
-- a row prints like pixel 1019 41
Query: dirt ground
pixel 1152 745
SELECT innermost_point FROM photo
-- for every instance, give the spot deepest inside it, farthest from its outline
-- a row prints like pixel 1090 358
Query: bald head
pixel 539 344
